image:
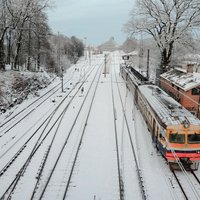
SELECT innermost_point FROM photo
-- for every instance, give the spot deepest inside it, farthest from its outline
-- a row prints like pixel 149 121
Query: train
pixel 174 130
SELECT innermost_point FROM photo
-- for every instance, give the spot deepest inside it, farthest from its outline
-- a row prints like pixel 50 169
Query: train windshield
pixel 177 138
pixel 193 138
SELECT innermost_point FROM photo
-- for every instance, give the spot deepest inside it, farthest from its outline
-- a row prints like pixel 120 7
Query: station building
pixel 184 86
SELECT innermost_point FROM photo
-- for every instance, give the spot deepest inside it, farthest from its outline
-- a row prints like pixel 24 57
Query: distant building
pixel 184 86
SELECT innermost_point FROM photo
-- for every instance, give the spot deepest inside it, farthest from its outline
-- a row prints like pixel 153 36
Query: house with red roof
pixel 184 86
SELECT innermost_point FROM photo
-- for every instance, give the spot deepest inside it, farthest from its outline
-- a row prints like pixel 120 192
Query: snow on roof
pixel 182 79
pixel 169 111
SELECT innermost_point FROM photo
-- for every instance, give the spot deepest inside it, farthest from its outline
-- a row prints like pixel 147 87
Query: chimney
pixel 190 68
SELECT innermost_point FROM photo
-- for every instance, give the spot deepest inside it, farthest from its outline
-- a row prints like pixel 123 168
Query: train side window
pixel 177 138
pixel 194 138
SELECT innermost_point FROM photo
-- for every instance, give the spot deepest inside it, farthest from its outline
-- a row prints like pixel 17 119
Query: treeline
pixel 63 52
pixel 26 40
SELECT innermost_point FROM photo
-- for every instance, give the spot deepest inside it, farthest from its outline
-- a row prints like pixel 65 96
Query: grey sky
pixel 97 20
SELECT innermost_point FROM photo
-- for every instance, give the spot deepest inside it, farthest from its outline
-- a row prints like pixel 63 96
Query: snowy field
pixel 74 144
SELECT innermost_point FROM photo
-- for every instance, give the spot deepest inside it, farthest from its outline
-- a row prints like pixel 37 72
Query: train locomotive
pixel 174 130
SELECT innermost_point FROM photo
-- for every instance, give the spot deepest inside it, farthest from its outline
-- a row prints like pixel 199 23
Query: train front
pixel 183 146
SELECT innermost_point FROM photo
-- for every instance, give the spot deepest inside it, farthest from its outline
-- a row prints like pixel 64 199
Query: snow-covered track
pixel 8 192
pixel 120 177
pixel 138 169
pixel 24 145
pixel 48 118
pixel 196 177
pixel 188 183
pixel 47 182
pixel 17 118
pixel 179 183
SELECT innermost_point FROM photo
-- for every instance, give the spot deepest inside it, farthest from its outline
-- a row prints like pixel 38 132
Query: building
pixel 184 86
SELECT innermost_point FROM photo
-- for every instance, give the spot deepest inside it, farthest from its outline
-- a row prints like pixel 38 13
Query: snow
pixel 182 79
pixel 160 101
pixel 15 86
pixel 96 166
pixel 95 173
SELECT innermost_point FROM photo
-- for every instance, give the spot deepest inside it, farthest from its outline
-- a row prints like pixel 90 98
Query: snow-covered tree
pixel 25 12
pixel 4 26
pixel 17 18
pixel 167 21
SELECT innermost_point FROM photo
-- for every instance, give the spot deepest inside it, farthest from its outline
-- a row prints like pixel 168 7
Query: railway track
pixel 32 135
pixel 39 142
pixel 39 123
pixel 12 187
pixel 63 149
pixel 138 169
pixel 10 123
pixel 188 183
pixel 120 177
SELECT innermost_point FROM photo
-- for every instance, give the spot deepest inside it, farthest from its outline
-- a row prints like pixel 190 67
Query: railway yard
pixel 89 142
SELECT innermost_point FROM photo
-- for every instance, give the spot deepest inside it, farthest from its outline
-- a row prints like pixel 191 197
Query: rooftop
pixel 182 79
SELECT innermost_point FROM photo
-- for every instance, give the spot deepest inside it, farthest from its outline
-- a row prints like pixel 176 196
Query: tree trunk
pixel 9 48
pixel 38 55
pixel 166 57
pixel 2 53
pixel 29 48
pixel 2 63
pixel 164 61
pixel 16 60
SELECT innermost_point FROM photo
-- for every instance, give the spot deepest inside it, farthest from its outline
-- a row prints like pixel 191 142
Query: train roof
pixel 135 76
pixel 166 108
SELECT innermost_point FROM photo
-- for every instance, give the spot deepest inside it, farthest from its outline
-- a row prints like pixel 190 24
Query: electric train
pixel 174 130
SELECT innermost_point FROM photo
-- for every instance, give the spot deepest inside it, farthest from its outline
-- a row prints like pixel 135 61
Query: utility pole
pixel 60 68
pixel 105 60
pixel 85 38
pixel 89 55
pixel 148 64
pixel 141 54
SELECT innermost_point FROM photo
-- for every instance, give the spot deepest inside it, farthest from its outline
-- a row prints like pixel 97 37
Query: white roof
pixel 182 79
pixel 169 111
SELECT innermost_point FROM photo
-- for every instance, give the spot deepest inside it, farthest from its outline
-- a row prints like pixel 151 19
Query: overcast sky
pixel 97 20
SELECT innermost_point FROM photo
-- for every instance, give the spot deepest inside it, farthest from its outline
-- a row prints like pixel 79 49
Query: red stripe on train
pixel 191 156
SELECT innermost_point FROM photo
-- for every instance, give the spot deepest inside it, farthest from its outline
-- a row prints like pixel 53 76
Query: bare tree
pixel 25 11
pixel 4 21
pixel 167 21
pixel 17 18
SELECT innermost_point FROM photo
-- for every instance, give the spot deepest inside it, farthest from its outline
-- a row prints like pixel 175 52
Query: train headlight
pixel 186 124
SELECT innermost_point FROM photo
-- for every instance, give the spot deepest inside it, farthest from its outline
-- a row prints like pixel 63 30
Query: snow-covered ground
pixel 95 172
pixel 16 86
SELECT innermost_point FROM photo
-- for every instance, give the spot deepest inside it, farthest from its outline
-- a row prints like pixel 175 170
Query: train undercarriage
pixel 185 163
